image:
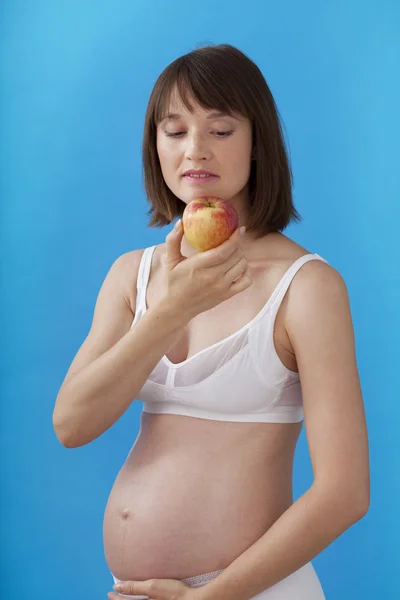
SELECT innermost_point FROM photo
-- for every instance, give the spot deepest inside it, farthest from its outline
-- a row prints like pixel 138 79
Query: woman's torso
pixel 193 493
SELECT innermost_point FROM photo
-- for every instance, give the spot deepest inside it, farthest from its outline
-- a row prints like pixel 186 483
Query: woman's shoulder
pixel 129 264
pixel 280 247
pixel 284 252
pixel 311 277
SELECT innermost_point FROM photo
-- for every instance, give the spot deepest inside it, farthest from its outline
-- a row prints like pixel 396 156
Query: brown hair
pixel 238 86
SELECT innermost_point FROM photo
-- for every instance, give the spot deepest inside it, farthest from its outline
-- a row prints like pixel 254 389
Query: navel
pixel 125 513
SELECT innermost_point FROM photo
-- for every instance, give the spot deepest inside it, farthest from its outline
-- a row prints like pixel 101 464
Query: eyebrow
pixel 214 115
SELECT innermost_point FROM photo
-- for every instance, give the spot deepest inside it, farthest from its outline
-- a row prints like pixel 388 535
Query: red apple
pixel 208 221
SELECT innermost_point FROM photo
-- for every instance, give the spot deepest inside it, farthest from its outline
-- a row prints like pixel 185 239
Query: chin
pixel 187 200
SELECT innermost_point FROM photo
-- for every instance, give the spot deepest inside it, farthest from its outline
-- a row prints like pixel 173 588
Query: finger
pixel 236 270
pixel 173 244
pixel 241 283
pixel 162 589
pixel 135 588
pixel 115 596
pixel 219 254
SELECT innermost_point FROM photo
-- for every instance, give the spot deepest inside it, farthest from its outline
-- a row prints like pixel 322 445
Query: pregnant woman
pixel 230 350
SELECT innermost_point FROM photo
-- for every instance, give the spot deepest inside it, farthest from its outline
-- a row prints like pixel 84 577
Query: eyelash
pixel 222 133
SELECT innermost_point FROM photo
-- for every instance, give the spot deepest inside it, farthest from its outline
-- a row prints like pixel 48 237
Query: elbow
pixel 60 425
pixel 348 510
pixel 64 433
pixel 361 507
pixel 67 440
pixel 65 426
pixel 347 504
pixel 63 437
pixel 69 436
pixel 359 498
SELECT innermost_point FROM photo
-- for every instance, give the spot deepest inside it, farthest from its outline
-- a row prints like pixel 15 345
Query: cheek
pixel 238 159
pixel 165 158
pixel 167 153
pixel 161 151
pixel 238 152
pixel 169 163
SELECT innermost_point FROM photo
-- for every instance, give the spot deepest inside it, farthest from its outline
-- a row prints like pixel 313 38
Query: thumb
pixel 173 242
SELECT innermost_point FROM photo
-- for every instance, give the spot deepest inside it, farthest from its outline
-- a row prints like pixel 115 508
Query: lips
pixel 200 180
pixel 199 172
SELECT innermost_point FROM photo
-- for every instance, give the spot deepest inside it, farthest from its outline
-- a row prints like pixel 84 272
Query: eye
pixel 218 133
pixel 173 134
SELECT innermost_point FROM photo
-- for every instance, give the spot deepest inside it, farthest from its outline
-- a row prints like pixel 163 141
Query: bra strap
pixel 143 276
pixel 283 286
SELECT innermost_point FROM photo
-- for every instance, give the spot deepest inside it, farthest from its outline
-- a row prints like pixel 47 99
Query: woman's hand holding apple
pixel 205 279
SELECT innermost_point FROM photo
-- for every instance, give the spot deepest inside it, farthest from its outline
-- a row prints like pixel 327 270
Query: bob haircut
pixel 237 86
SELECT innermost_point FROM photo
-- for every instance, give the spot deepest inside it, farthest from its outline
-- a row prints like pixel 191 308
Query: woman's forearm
pixel 306 528
pixel 95 397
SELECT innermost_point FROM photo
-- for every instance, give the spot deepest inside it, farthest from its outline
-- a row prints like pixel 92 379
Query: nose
pixel 197 147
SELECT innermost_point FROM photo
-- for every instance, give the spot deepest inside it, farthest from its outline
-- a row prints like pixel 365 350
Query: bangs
pixel 203 84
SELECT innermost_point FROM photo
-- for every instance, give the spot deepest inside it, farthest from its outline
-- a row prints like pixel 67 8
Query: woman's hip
pixel 303 584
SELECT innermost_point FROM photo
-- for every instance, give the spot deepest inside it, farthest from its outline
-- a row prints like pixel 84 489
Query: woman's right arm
pixel 114 361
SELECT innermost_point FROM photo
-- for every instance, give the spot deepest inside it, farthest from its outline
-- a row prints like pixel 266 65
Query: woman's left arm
pixel 319 325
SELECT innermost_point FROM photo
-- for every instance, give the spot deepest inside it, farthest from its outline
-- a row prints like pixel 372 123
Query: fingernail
pixel 178 224
pixel 118 587
pixel 242 230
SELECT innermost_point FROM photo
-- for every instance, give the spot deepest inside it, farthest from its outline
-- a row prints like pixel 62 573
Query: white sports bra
pixel 239 378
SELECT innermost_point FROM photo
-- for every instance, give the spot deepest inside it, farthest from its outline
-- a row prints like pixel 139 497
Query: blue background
pixel 75 81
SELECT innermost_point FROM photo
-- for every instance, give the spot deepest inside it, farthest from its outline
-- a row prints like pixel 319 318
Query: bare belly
pixel 194 494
